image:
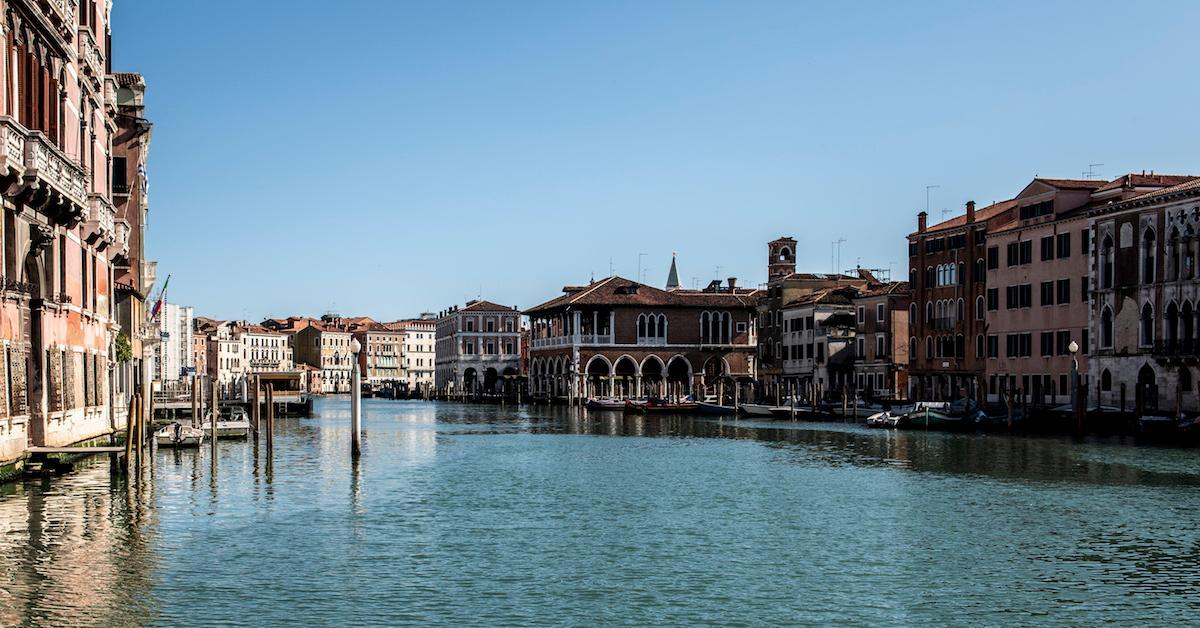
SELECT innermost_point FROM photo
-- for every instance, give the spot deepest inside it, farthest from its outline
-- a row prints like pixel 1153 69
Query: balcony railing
pixel 1183 347
pixel 12 145
pixel 100 222
pixel 65 10
pixel 566 341
pixel 89 55
pixel 48 165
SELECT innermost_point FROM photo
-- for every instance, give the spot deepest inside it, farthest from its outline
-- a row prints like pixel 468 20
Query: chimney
pixel 970 212
pixel 732 283
pixel 921 217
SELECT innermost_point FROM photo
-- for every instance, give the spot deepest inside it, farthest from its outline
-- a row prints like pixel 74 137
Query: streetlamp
pixel 355 398
pixel 1073 348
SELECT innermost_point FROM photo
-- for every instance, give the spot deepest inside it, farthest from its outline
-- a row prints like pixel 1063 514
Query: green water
pixel 484 515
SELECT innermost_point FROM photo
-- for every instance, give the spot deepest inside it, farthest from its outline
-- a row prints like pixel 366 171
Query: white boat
pixel 887 418
pixel 606 403
pixel 864 408
pixel 759 409
pixel 179 435
pixel 236 425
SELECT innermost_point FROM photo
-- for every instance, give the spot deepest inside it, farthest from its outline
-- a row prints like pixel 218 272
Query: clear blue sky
pixel 384 158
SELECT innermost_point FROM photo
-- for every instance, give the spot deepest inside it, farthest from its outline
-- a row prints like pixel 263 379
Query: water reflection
pixel 479 514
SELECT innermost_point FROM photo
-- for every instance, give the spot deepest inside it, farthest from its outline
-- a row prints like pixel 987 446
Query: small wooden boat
pixel 236 425
pixel 605 403
pixel 864 409
pixel 179 435
pixel 885 419
pixel 682 407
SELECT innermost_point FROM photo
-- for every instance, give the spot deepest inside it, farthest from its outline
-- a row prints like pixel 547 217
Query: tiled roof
pixel 1135 180
pixel 125 79
pixel 894 287
pixel 1073 184
pixel 835 296
pixel 1187 186
pixel 981 215
pixel 617 291
pixel 479 305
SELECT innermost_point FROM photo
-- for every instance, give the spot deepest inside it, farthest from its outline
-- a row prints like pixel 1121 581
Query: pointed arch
pixel 1106 327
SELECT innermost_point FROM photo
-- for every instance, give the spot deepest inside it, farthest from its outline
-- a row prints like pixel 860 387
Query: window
pixel 1105 381
pixel 862 315
pixel 979 349
pixel 993 346
pixel 1027 251
pixel 1047 293
pixel 1062 343
pixel 1047 248
pixel 993 299
pixel 979 270
pixel 879 313
pixel 1064 291
pixel 880 348
pixel 993 257
pixel 491 325
pixel 1106 263
pixel 1026 291
pixel 1085 241
pixel 1148 251
pixel 1047 344
pixel 1064 245
pixel 979 308
pixel 861 348
pixel 1012 254
pixel 470 322
pixel 1146 328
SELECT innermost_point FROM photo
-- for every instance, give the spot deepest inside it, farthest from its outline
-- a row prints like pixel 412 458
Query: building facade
pixel 173 357
pixel 477 348
pixel 621 338
pixel 264 350
pixel 1146 297
pixel 948 278
pixel 381 358
pixel 816 352
pixel 326 346
pixel 881 341
pixel 418 352
pixel 59 233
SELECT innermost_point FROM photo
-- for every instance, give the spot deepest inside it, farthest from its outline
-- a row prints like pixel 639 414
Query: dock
pixel 82 451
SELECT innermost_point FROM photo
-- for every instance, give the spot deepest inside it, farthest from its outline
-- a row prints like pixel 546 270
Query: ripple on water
pixel 467 514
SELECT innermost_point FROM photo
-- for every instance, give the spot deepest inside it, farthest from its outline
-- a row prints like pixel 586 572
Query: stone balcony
pixel 64 9
pixel 100 221
pixel 12 148
pixel 90 61
pixel 56 183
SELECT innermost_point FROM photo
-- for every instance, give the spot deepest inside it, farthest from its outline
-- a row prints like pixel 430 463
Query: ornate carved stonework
pixel 68 383
pixel 40 236
pixel 16 373
pixel 54 372
pixel 4 382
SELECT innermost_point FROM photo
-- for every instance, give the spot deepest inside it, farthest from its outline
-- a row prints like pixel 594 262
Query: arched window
pixel 979 269
pixel 930 275
pixel 958 274
pixel 1172 323
pixel 1106 327
pixel 929 312
pixel 912 348
pixel 1173 255
pixel 1106 263
pixel 912 278
pixel 641 326
pixel 1148 251
pixel 929 347
pixel 1146 335
pixel 962 311
pixel 1188 323
pixel 912 313
pixel 1106 381
pixel 705 331
pixel 784 254
pixel 979 308
pixel 979 346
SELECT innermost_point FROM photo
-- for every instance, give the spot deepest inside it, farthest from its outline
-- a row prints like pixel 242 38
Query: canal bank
pixel 481 515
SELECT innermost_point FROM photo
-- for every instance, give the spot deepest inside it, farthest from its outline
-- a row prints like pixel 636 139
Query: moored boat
pixel 179 435
pixel 712 408
pixel 605 403
pixel 887 418
pixel 758 410
pixel 235 425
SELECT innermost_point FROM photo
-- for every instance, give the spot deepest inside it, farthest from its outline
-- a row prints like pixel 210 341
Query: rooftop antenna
pixel 927 189
pixel 610 267
pixel 946 211
pixel 718 272
pixel 1091 173
pixel 639 273
pixel 835 254
pixel 695 283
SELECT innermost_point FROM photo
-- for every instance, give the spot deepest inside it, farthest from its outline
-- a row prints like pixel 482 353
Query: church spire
pixel 673 276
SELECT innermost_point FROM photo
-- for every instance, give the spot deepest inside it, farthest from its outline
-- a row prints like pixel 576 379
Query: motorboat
pixel 757 410
pixel 179 435
pixel 887 419
pixel 234 425
pixel 716 409
pixel 941 415
pixel 863 409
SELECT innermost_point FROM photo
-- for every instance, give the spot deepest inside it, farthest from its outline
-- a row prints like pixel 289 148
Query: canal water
pixel 486 515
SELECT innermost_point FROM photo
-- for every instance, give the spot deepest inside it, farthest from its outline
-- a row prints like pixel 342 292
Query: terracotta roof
pixel 1135 180
pixel 479 305
pixel 1193 184
pixel 894 287
pixel 620 291
pixel 125 79
pixel 1073 184
pixel 835 296
pixel 981 215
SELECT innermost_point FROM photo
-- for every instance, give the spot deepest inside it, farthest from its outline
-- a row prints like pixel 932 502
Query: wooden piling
pixel 129 430
pixel 270 418
pixel 195 404
pixel 256 409
pixel 213 422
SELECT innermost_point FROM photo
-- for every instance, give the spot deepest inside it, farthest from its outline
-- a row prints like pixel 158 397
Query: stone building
pixel 60 237
pixel 477 348
pixel 948 280
pixel 172 357
pixel 618 337
pixel 1145 311
pixel 881 341
pixel 418 351
pixel 326 345
pixel 381 358
pixel 785 285
pixel 264 350
pixel 816 352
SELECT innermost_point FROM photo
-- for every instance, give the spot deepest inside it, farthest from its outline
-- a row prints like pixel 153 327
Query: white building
pixel 476 346
pixel 418 352
pixel 171 357
pixel 263 350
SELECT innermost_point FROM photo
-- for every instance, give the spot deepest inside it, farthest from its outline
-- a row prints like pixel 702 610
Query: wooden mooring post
pixel 216 410
pixel 270 419
pixel 195 403
pixel 256 409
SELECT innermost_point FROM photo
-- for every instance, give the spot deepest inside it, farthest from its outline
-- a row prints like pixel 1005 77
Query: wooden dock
pixel 50 451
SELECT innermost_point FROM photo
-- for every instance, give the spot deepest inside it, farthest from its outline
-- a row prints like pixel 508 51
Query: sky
pixel 386 158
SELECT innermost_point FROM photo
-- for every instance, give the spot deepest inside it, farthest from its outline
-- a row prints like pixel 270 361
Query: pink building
pixel 59 232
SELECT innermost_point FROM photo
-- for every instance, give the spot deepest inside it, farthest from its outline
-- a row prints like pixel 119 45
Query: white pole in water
pixel 355 399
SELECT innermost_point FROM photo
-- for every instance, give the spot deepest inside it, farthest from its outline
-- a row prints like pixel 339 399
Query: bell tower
pixel 781 258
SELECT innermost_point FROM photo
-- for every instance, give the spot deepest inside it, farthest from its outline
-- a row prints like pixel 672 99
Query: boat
pixel 864 409
pixel 757 410
pixel 179 435
pixel 940 415
pixel 235 425
pixel 605 403
pixel 681 407
pixel 712 408
pixel 887 419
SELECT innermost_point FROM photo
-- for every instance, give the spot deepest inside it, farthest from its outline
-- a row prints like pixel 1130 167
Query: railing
pixel 566 341
pixel 65 10
pixel 89 53
pixel 101 219
pixel 652 342
pixel 596 339
pixel 44 161
pixel 1180 347
pixel 13 285
pixel 12 145
pixel 557 341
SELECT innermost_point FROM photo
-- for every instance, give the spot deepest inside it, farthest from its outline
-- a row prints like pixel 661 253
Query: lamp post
pixel 1073 348
pixel 355 399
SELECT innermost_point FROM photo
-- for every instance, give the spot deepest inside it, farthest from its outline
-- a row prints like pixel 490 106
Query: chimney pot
pixel 732 283
pixel 970 211
pixel 921 222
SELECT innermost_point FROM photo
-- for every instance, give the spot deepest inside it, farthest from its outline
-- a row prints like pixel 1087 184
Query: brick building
pixel 881 341
pixel 618 337
pixel 381 358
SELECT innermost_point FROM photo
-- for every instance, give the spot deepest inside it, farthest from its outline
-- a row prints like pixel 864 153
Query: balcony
pixel 90 60
pixel 121 239
pixel 64 9
pixel 54 179
pixel 1177 351
pixel 566 341
pixel 12 147
pixel 100 221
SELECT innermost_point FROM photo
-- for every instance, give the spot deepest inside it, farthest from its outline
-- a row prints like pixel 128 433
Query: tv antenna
pixel 835 254
pixel 927 189
pixel 1091 173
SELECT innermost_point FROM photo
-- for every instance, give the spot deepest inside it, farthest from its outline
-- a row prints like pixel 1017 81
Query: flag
pixel 161 295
